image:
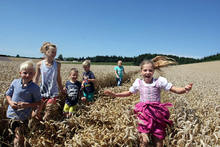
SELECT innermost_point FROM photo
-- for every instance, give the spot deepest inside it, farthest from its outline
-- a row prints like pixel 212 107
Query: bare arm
pixel 116 74
pixel 122 94
pixel 92 80
pixel 59 80
pixel 181 90
pixel 26 104
pixel 13 104
pixel 37 74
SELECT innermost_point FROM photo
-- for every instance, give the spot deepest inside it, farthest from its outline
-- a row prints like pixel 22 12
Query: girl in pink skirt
pixel 153 116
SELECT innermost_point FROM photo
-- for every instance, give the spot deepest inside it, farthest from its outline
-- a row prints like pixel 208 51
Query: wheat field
pixel 111 122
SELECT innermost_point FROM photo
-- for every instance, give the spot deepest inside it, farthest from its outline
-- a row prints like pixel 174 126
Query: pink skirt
pixel 153 118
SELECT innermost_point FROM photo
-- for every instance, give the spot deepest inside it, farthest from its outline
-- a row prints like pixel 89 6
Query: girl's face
pixel 51 52
pixel 27 75
pixel 147 72
pixel 73 75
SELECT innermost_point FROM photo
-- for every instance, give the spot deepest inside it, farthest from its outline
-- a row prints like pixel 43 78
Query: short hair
pixel 74 70
pixel 119 60
pixel 86 63
pixel 29 64
pixel 46 46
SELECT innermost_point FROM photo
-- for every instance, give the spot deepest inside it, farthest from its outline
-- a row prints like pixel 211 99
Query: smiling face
pixel 51 52
pixel 73 76
pixel 147 71
pixel 27 75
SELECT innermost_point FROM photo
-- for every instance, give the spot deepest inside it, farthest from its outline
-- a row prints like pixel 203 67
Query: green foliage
pixel 112 60
pixel 60 57
pixel 211 58
pixel 180 60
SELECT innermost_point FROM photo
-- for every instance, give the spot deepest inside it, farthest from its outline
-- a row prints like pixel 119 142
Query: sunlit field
pixel 111 122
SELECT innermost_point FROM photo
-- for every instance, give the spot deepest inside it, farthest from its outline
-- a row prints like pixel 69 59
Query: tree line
pixel 135 60
pixel 138 59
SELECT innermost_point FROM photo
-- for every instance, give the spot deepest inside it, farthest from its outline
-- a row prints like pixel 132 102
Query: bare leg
pixel 19 138
pixel 157 142
pixel 143 140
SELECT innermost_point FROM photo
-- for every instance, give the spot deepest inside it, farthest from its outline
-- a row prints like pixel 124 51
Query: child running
pixel 119 72
pixel 153 116
pixel 73 93
pixel 51 81
pixel 23 95
pixel 88 82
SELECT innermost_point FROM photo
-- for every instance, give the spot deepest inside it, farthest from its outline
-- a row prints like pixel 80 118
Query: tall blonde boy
pixel 23 95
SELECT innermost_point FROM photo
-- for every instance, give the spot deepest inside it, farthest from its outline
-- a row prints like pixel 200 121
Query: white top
pixel 49 85
pixel 150 92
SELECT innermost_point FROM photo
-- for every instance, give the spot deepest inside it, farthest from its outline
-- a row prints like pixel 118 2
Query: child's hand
pixel 85 78
pixel 64 90
pixel 109 92
pixel 13 104
pixel 83 99
pixel 82 86
pixel 188 87
pixel 22 105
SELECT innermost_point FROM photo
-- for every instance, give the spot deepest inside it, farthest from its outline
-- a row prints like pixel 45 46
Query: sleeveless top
pixel 150 92
pixel 49 85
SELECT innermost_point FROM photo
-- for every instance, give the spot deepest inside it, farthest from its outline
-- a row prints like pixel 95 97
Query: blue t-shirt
pixel 73 90
pixel 119 71
pixel 18 93
pixel 89 86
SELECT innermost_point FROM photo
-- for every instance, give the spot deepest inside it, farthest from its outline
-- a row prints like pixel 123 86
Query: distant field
pixel 100 63
pixel 110 121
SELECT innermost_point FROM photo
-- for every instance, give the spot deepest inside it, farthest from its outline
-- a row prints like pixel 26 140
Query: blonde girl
pixel 153 116
pixel 51 82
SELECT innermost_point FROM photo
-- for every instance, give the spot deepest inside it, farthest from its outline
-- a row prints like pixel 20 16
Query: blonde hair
pixel 86 63
pixel 159 61
pixel 46 46
pixel 29 64
pixel 74 70
pixel 119 61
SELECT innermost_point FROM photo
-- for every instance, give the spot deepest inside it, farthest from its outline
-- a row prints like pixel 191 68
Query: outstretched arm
pixel 122 94
pixel 181 90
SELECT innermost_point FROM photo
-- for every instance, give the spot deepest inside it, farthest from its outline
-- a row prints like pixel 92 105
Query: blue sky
pixel 80 28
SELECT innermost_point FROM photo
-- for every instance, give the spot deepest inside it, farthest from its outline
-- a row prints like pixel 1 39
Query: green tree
pixel 60 57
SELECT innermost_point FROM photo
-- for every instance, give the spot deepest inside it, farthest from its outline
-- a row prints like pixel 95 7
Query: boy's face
pixel 27 75
pixel 73 75
pixel 86 68
pixel 119 63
